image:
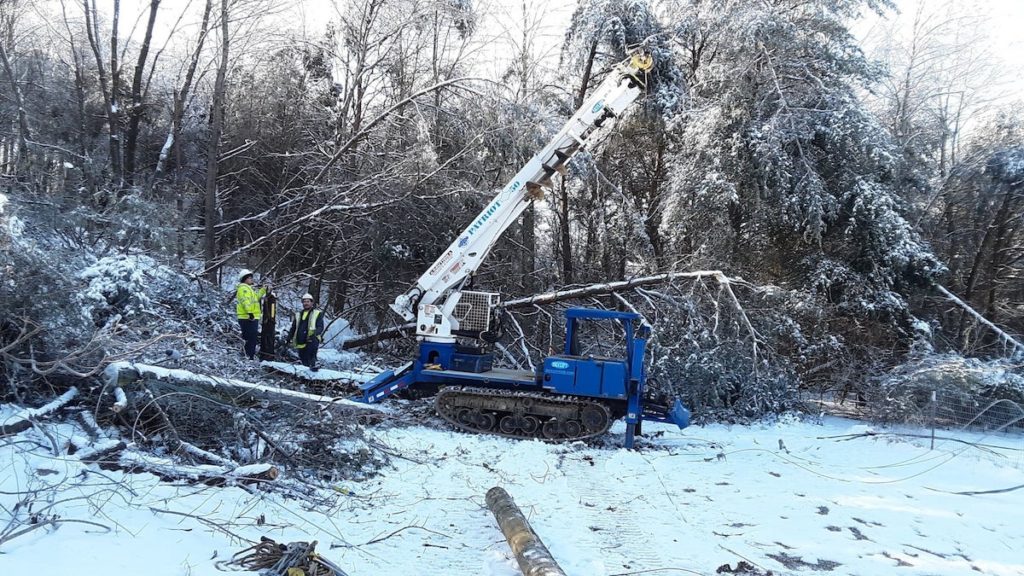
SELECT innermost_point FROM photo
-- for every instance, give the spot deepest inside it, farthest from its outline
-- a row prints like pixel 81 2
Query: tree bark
pixel 108 85
pixel 24 134
pixel 364 339
pixel 213 147
pixel 533 557
pixel 564 236
pixel 135 112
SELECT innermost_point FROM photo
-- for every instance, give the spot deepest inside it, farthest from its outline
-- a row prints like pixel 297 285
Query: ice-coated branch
pixel 22 420
pixel 611 287
pixel 977 316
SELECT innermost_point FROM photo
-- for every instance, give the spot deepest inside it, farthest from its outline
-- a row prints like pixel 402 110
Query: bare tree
pixel 172 147
pixel 135 112
pixel 24 133
pixel 110 80
pixel 213 146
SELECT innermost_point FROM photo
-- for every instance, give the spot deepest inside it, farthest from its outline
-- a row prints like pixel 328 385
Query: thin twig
pixel 204 521
pixel 383 538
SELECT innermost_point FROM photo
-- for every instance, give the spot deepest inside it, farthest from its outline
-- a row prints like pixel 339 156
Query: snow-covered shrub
pixel 720 383
pixel 703 353
pixel 138 223
pixel 131 287
pixel 116 289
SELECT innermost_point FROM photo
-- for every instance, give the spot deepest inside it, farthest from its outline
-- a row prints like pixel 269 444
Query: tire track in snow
pixel 631 530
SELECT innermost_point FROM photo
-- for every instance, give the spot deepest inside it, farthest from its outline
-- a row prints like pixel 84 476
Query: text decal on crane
pixel 485 216
pixel 440 263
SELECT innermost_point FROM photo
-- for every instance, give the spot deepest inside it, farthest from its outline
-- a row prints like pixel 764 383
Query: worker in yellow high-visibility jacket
pixel 247 307
pixel 307 332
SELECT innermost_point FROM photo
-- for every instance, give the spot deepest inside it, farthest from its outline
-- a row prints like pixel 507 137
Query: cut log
pixel 533 557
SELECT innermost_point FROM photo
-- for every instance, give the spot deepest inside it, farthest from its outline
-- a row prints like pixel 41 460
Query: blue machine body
pixel 618 382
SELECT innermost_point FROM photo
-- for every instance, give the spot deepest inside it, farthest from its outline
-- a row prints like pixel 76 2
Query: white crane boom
pixel 426 301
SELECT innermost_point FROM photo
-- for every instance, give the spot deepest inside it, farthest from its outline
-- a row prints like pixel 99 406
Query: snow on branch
pixel 120 373
pixel 22 419
pixel 977 315
pixel 205 473
pixel 611 287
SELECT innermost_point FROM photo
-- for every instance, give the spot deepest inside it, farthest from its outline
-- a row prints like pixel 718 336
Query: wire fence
pixel 938 416
pixel 994 426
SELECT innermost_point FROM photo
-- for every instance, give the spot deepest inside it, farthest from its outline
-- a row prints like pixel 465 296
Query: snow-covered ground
pixel 791 497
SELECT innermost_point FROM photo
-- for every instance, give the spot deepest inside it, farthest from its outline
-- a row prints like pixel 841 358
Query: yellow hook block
pixel 642 61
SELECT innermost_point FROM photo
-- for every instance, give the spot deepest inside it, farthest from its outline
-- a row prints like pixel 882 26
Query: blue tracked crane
pixel 570 395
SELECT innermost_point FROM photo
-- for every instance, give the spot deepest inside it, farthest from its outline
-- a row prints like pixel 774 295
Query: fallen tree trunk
pixel 365 339
pixel 611 288
pixel 212 475
pixel 125 373
pixel 1003 335
pixel 22 419
pixel 552 297
pixel 533 557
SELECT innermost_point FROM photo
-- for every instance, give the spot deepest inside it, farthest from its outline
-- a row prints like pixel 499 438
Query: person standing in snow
pixel 247 307
pixel 307 332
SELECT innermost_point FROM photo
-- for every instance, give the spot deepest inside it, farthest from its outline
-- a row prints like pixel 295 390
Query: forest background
pixel 849 165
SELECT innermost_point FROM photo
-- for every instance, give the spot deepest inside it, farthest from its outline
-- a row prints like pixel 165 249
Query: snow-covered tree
pixel 780 170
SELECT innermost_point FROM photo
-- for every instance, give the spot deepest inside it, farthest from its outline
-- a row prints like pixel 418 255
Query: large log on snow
pixel 533 557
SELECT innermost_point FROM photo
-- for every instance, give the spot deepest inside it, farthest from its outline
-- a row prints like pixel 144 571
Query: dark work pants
pixel 307 354
pixel 251 335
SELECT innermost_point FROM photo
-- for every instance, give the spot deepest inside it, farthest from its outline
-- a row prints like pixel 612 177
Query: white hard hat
pixel 307 296
pixel 243 273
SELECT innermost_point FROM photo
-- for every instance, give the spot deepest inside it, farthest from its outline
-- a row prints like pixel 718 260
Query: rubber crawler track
pixel 556 418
